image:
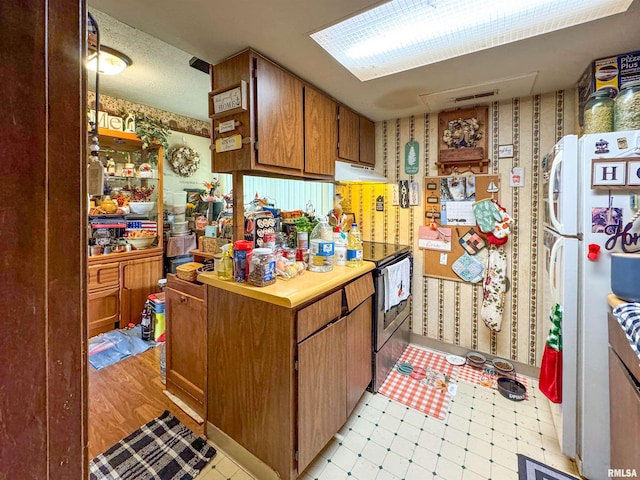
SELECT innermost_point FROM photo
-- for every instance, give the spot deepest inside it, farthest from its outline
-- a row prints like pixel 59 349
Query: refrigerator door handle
pixel 552 176
pixel 553 269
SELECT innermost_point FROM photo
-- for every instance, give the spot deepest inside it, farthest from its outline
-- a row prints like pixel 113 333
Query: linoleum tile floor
pixel 478 439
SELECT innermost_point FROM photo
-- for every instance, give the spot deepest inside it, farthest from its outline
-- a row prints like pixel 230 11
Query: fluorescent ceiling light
pixel 405 34
pixel 112 62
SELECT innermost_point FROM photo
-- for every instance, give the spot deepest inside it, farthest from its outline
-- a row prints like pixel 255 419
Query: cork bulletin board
pixel 447 201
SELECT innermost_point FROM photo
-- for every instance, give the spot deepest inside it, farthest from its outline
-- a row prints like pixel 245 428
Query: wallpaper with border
pixel 448 310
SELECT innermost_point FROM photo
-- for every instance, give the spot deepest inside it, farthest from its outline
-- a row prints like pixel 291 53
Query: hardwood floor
pixel 126 395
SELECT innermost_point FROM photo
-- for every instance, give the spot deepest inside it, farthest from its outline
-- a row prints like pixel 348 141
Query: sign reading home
pixel 231 99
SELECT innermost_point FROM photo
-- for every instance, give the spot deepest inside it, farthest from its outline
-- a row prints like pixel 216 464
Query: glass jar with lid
pixel 262 267
pixel 598 113
pixel 627 107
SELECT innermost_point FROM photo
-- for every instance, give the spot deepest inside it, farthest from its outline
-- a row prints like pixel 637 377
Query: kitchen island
pixel 287 364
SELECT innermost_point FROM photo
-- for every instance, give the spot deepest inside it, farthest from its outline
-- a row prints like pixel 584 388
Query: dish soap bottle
pixel 225 267
pixel 354 247
pixel 321 247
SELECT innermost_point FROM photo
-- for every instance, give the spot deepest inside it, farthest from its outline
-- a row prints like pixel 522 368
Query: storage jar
pixel 262 267
pixel 627 107
pixel 598 113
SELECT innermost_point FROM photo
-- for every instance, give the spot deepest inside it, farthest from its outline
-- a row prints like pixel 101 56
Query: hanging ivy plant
pixel 151 130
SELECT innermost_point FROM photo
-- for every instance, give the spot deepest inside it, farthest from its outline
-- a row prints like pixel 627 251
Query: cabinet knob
pixel 183 299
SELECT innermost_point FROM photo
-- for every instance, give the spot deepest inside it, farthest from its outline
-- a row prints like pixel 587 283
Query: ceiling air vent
pixel 476 96
pixel 501 89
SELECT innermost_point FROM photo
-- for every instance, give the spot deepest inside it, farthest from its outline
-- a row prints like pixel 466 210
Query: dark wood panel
pixel 320 132
pixel 348 135
pixel 321 390
pixel 624 415
pixel 367 142
pixel 104 311
pixel 279 117
pixel 318 314
pixel 135 384
pixel 358 290
pixel 42 398
pixel 251 376
pixel 186 347
pixel 359 351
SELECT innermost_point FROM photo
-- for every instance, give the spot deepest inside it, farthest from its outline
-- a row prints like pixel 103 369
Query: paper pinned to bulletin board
pixel 448 201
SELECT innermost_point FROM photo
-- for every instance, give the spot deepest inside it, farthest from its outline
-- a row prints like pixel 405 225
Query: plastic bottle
pixel 354 247
pixel 321 247
pixel 340 241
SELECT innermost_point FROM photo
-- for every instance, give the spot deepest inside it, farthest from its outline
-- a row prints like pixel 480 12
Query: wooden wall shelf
pixel 464 158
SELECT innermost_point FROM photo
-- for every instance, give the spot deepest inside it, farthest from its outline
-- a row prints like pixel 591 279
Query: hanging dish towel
pixel 397 283
pixel 494 289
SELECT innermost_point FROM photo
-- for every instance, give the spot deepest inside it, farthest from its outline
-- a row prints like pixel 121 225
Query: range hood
pixel 350 173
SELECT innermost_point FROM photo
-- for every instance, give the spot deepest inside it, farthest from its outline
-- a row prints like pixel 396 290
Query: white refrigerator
pixel 575 218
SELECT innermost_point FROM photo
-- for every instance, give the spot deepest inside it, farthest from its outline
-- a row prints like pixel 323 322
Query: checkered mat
pixel 486 377
pixel 163 449
pixel 530 469
pixel 427 388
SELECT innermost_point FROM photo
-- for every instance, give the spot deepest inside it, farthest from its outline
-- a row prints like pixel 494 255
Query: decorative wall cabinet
pixel 462 143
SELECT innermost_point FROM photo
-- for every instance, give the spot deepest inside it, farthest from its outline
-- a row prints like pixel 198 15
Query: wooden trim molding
pixel 42 347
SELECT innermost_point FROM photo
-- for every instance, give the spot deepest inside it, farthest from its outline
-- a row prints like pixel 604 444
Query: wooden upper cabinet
pixel 320 132
pixel 367 142
pixel 279 117
pixel 348 135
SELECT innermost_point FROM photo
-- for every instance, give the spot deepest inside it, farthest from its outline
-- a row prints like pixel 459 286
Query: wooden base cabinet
pixel 624 397
pixel 118 287
pixel 187 342
pixel 139 280
pixel 284 380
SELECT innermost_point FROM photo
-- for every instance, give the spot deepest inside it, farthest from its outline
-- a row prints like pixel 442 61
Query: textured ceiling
pixel 213 30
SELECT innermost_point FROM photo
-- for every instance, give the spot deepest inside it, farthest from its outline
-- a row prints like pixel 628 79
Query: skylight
pixel 405 34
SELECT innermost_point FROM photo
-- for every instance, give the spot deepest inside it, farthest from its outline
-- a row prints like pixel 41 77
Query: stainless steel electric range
pixel 390 328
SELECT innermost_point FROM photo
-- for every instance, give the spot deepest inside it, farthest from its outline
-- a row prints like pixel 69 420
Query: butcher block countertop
pixel 614 301
pixel 294 292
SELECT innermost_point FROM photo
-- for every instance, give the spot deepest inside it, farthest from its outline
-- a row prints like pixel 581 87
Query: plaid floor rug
pixel 163 449
pixel 530 469
pixel 426 388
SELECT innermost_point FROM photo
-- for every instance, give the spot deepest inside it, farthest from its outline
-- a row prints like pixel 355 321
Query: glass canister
pixel 262 267
pixel 627 107
pixel 598 113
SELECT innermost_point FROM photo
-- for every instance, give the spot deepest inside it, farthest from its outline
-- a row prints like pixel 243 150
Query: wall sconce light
pixel 112 62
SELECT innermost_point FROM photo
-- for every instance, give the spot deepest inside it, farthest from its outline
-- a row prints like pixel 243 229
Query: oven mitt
pixel 470 267
pixel 472 242
pixel 501 229
pixel 487 214
pixel 494 289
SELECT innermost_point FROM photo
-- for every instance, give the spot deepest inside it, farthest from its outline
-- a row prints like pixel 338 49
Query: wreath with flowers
pixel 184 160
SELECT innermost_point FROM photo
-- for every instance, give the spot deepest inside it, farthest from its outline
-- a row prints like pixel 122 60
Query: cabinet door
pixel 279 117
pixel 359 353
pixel 186 347
pixel 320 133
pixel 348 135
pixel 321 390
pixel 367 142
pixel 624 414
pixel 139 279
pixel 103 310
